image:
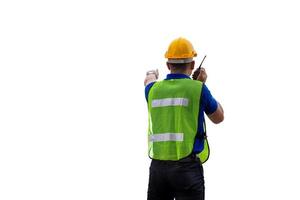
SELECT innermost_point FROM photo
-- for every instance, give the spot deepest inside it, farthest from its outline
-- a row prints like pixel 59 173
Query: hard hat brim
pixel 180 61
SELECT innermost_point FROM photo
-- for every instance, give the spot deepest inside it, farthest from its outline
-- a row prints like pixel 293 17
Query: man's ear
pixel 168 65
pixel 192 65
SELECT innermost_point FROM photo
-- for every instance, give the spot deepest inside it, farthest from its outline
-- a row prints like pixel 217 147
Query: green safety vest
pixel 173 107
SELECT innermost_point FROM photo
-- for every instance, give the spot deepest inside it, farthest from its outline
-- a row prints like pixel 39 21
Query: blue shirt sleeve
pixel 208 102
pixel 147 89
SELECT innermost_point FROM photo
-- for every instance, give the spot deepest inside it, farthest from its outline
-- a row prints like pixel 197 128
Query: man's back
pixel 173 118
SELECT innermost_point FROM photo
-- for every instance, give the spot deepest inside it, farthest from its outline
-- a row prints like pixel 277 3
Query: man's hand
pixel 151 76
pixel 202 75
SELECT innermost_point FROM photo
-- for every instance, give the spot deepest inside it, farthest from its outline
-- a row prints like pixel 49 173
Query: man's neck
pixel 176 72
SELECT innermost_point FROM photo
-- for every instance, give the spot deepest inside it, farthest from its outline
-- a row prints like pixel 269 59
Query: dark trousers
pixel 182 180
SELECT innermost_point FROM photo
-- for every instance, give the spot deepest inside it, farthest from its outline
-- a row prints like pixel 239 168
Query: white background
pixel 73 116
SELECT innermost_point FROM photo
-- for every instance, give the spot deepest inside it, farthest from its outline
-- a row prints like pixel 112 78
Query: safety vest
pixel 173 107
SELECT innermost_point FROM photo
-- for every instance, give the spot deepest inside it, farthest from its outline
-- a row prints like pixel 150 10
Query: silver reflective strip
pixel 162 137
pixel 170 102
pixel 183 60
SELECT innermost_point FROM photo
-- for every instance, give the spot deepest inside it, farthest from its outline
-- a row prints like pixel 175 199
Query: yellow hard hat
pixel 180 51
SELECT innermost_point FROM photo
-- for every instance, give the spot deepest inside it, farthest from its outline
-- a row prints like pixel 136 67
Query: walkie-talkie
pixel 197 71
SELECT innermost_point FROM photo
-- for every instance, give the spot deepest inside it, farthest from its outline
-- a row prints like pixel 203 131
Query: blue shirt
pixel 208 104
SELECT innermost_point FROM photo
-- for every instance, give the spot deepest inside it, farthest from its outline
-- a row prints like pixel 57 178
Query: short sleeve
pixel 208 102
pixel 147 89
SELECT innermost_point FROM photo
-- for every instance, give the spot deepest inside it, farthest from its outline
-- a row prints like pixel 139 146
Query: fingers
pixel 203 72
pixel 155 72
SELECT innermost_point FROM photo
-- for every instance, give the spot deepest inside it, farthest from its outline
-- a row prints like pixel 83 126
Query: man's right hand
pixel 202 75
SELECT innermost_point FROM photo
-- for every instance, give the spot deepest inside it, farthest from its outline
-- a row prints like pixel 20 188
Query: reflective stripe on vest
pixel 170 102
pixel 163 137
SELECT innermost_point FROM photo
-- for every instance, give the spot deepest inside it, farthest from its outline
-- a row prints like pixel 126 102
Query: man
pixel 177 135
